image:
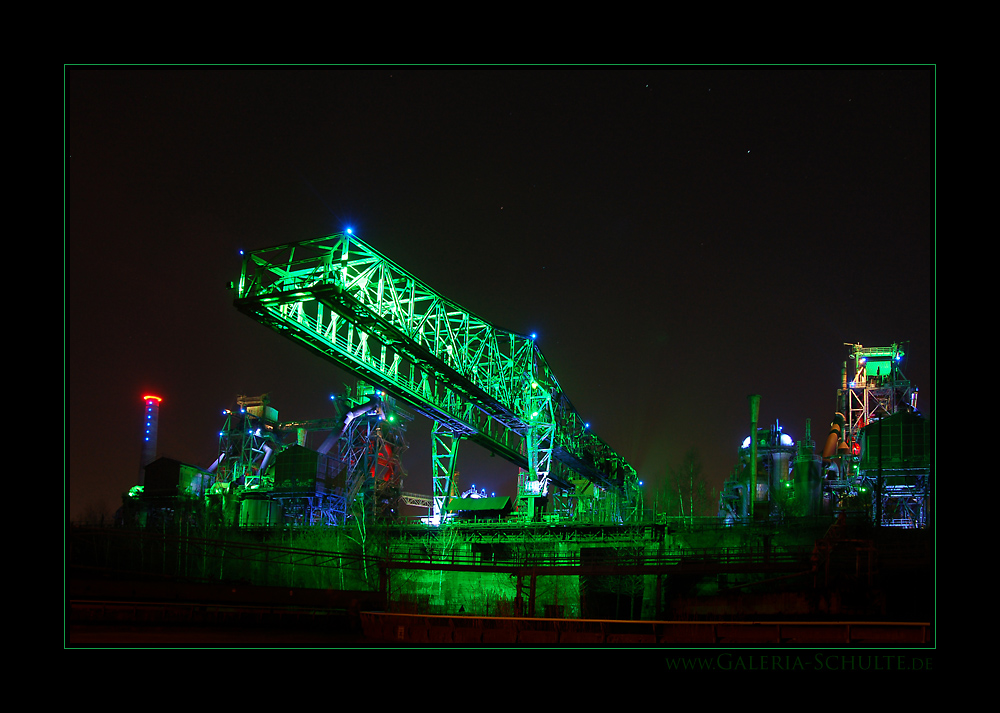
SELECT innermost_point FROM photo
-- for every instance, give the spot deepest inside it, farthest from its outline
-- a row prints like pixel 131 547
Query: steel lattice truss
pixel 878 390
pixel 344 300
pixel 245 444
pixel 874 390
pixel 362 447
pixel 905 497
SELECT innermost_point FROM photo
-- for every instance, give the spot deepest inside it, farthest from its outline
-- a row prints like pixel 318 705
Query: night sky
pixel 679 238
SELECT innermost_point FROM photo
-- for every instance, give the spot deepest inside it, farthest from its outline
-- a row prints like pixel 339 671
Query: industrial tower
pixel 878 386
pixel 889 440
pixel 151 426
pixel 266 465
pixel 876 457
pixel 346 302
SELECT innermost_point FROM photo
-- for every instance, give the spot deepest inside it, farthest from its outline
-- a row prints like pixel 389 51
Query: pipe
pixel 354 413
pixel 833 438
pixel 754 413
pixel 268 452
pixel 211 468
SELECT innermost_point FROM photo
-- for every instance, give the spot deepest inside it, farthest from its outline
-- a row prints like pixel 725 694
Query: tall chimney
pixel 151 422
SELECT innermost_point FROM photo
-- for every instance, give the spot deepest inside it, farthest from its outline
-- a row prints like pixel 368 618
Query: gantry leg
pixel 444 456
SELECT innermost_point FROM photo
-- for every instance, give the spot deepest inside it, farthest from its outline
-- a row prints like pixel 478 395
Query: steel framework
pixel 364 447
pixel 878 386
pixel 247 443
pixel 878 394
pixel 896 468
pixel 344 300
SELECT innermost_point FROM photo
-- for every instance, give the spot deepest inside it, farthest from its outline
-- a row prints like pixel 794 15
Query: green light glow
pixel 339 297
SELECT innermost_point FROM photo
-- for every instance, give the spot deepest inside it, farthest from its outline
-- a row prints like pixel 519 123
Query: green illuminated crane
pixel 345 301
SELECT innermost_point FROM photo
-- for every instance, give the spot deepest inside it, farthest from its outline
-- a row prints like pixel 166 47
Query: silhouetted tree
pixel 687 492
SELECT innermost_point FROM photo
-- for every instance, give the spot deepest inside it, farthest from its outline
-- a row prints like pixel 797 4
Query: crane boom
pixel 344 300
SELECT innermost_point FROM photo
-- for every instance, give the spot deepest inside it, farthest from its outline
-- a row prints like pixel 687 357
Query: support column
pixel 444 456
pixel 538 448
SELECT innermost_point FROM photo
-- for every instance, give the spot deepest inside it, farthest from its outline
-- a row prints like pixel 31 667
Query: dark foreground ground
pixel 97 635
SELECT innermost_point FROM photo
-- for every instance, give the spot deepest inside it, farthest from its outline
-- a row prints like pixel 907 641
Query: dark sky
pixel 679 238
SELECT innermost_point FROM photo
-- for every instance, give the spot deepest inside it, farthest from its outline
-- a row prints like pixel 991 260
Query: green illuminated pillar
pixel 538 442
pixel 444 456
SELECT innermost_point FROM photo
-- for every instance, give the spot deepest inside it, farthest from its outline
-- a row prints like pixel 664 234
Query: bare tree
pixel 686 487
pixel 97 513
pixel 357 531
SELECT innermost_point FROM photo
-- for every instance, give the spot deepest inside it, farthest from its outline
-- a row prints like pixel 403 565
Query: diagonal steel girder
pixel 429 392
pixel 344 300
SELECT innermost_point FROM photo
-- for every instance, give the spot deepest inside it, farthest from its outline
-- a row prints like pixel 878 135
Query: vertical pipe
pixel 754 412
pixel 879 482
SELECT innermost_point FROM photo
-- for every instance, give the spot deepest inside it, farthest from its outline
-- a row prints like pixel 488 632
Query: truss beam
pixel 347 302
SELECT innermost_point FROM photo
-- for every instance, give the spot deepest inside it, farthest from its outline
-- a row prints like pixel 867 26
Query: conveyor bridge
pixel 345 301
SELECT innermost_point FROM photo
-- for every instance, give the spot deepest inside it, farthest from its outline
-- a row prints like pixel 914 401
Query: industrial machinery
pixel 890 441
pixel 247 444
pixel 877 387
pixel 266 474
pixel 895 466
pixel 876 458
pixel 787 477
pixel 362 451
pixel 346 302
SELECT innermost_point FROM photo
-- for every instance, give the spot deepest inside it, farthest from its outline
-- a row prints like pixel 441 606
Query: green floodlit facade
pixel 345 301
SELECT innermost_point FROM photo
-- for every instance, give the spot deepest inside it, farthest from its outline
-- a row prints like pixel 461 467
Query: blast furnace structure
pixel 267 474
pixel 875 460
pixel 890 441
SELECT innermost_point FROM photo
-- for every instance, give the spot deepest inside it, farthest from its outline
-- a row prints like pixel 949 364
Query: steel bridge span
pixel 351 305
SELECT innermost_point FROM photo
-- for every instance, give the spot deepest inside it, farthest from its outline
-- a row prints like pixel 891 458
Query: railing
pixel 618 558
pixel 444 629
pixel 208 559
pixel 215 559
